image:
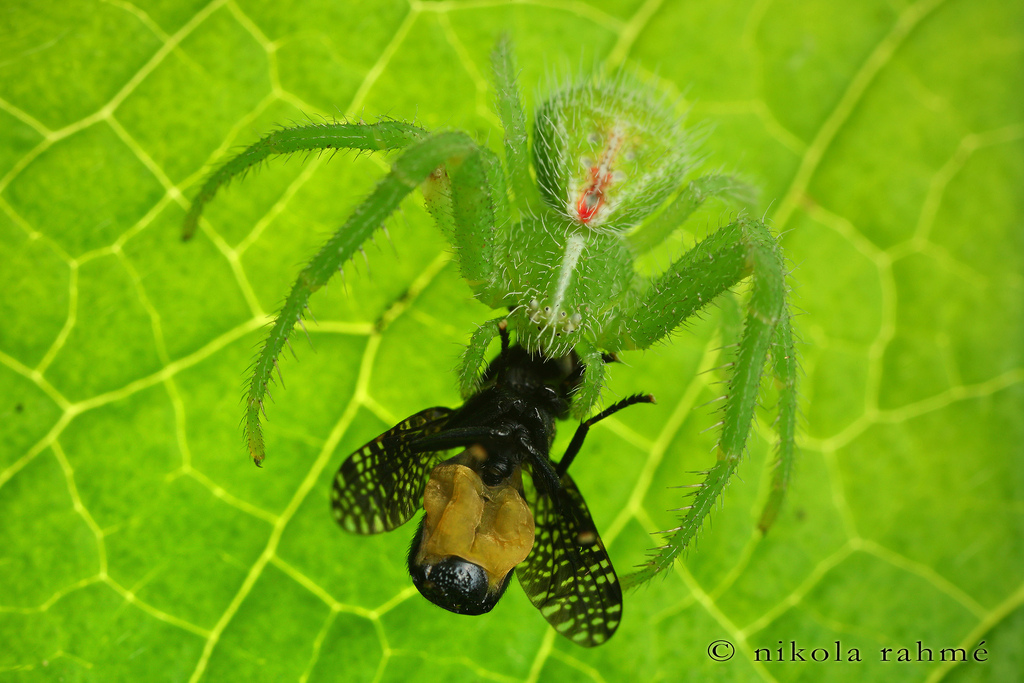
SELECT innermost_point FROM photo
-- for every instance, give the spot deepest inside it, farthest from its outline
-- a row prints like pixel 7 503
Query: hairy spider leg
pixel 743 248
pixel 374 137
pixel 473 358
pixel 784 366
pixel 416 164
pixel 513 120
pixel 658 229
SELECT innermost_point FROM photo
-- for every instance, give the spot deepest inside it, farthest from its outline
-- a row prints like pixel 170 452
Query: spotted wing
pixel 380 486
pixel 568 575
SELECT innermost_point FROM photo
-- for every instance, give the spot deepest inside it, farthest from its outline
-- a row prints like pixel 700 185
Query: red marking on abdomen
pixel 595 194
pixel 593 197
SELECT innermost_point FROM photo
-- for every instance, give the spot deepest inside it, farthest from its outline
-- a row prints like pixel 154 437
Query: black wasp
pixel 482 519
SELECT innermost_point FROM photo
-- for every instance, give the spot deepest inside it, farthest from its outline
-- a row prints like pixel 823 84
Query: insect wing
pixel 380 486
pixel 568 575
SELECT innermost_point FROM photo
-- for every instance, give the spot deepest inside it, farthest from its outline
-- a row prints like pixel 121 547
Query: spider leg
pixel 732 253
pixel 589 390
pixel 468 201
pixel 743 248
pixel 473 357
pixel 785 368
pixel 375 137
pixel 655 231
pixel 513 120
pixel 645 238
pixel 480 218
pixel 414 165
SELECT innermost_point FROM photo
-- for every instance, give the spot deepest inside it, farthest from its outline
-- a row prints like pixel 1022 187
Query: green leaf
pixel 138 542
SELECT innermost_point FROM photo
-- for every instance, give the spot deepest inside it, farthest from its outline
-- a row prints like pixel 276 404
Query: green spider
pixel 554 247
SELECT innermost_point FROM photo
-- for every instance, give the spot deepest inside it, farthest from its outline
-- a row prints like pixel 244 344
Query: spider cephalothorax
pixel 550 235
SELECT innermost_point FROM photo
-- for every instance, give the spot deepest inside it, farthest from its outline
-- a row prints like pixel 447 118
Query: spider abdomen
pixel 609 152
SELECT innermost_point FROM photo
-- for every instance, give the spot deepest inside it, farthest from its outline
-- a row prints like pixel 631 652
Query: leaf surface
pixel 139 543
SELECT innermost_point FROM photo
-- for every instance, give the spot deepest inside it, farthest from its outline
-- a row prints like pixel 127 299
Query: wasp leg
pixel 581 432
